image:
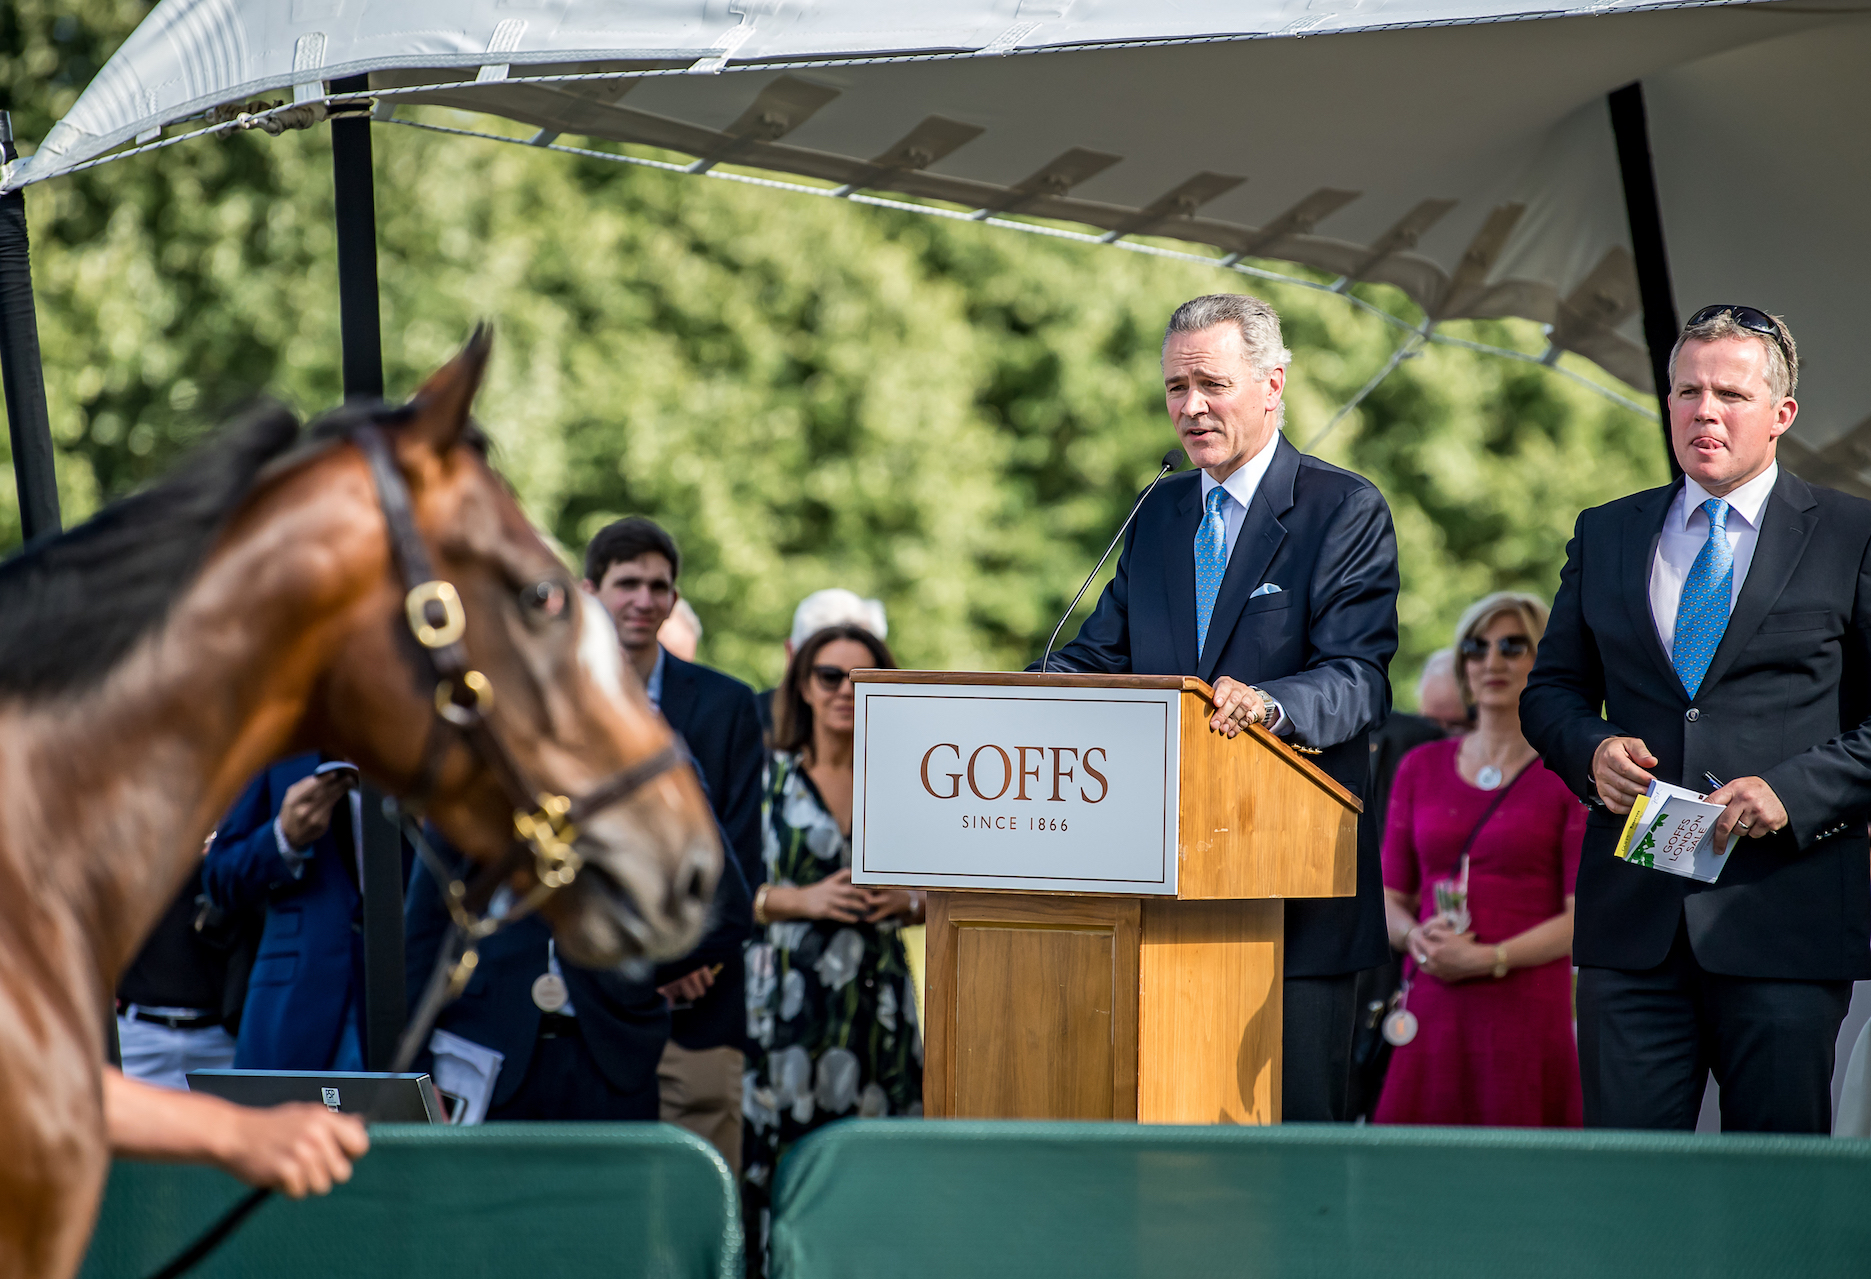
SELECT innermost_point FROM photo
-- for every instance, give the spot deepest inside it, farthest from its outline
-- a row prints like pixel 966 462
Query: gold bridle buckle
pixel 547 832
pixel 462 716
pixel 454 617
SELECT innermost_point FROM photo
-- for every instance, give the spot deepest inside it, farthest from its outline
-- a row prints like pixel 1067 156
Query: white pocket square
pixel 1265 588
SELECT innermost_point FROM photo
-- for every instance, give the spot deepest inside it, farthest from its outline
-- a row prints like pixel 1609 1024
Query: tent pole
pixel 24 376
pixel 361 342
pixel 360 329
pixel 1630 127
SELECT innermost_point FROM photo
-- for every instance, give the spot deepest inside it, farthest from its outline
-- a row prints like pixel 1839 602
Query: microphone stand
pixel 1169 464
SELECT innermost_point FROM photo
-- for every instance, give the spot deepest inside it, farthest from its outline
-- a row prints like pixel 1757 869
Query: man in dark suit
pixel 632 566
pixel 575 1043
pixel 289 848
pixel 1723 625
pixel 1273 576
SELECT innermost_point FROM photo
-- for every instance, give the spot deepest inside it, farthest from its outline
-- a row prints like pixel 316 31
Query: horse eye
pixel 544 600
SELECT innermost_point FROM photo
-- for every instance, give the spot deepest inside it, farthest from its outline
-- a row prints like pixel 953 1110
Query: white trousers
pixel 158 1055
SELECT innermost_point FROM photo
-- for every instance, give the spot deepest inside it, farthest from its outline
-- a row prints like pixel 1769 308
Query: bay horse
pixel 255 605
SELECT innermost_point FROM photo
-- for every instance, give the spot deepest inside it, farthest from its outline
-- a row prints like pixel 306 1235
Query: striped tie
pixel 1211 563
pixel 1702 617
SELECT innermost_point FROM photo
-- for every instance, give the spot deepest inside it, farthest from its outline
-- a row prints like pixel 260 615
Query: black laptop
pixel 377 1097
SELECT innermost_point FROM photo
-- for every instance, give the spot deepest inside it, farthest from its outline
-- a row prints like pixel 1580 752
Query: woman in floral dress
pixel 831 1011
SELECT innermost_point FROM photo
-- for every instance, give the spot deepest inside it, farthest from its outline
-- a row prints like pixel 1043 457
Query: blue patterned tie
pixel 1211 563
pixel 1702 616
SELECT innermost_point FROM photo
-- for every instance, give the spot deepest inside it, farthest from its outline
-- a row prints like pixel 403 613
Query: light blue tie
pixel 1211 563
pixel 1702 617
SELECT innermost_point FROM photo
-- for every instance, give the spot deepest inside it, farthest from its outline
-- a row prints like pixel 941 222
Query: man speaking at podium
pixel 1273 576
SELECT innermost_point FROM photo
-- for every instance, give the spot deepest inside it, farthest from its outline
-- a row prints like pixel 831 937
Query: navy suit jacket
pixel 1321 645
pixel 716 716
pixel 624 1021
pixel 1787 698
pixel 310 961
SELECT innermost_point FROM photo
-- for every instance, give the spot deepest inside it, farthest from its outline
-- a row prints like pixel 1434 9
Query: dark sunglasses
pixel 830 678
pixel 1748 318
pixel 1474 648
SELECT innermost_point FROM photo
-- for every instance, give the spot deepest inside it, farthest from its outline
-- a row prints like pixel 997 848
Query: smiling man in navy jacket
pixel 631 566
pixel 1273 576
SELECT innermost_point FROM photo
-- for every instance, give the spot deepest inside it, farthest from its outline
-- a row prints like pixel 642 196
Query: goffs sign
pixel 980 785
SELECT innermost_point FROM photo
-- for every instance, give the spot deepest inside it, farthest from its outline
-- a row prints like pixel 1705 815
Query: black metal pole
pixel 360 330
pixel 386 1003
pixel 23 374
pixel 1630 127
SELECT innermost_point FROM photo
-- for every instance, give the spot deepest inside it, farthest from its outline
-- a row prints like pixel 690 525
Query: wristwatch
pixel 1269 709
pixel 1500 962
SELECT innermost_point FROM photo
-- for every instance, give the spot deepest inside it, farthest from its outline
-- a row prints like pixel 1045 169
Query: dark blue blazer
pixel 716 716
pixel 1787 698
pixel 310 961
pixel 1321 645
pixel 624 1021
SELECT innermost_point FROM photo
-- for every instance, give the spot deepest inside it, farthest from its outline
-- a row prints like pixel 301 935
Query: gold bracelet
pixel 760 905
pixel 1500 962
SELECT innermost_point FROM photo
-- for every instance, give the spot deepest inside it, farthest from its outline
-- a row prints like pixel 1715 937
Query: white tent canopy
pixel 1461 150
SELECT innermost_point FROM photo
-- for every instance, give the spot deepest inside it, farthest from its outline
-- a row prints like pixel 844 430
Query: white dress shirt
pixel 1686 530
pixel 1241 487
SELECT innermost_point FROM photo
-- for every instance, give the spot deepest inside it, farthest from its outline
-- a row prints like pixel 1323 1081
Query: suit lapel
pixel 1261 535
pixel 1178 574
pixel 1787 522
pixel 1642 525
pixel 678 691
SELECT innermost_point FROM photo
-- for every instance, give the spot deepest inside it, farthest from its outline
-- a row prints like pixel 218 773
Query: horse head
pixel 496 692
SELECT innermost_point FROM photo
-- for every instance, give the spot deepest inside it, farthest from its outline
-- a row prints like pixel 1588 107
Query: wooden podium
pixel 1107 972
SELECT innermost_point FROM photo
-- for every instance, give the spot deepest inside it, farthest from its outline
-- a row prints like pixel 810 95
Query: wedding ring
pixel 1745 825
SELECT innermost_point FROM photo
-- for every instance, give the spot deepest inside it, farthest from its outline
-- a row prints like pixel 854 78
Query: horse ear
pixel 441 406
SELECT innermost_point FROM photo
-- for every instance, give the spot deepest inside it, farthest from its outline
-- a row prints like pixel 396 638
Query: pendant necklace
pixel 1488 776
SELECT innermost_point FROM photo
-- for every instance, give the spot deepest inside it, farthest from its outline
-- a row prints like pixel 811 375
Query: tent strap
pixel 28 424
pixel 1630 127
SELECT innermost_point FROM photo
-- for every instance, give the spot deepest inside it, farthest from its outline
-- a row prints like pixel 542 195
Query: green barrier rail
pixel 542 1201
pixel 907 1199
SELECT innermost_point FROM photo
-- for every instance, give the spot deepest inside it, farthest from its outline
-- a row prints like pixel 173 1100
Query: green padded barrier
pixel 907 1199
pixel 538 1201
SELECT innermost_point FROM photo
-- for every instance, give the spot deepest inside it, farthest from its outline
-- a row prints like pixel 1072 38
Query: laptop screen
pixel 373 1096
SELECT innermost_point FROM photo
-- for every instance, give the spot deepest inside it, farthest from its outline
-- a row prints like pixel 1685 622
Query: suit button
pixel 1692 715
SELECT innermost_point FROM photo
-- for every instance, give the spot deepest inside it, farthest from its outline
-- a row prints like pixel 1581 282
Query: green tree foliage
pixel 806 392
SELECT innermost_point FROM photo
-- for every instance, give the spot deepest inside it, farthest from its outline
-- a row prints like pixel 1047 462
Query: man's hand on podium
pixel 1236 706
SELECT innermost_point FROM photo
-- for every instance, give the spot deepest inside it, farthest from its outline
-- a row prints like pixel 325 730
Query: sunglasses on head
pixel 830 678
pixel 1754 321
pixel 1474 648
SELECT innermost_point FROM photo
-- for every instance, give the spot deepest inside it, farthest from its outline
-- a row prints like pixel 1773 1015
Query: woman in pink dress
pixel 1492 995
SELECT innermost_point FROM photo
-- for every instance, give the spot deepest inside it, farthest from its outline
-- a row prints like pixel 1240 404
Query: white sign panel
pixel 1018 787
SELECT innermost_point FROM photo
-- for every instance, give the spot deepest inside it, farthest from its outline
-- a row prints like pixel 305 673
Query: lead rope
pixel 454 966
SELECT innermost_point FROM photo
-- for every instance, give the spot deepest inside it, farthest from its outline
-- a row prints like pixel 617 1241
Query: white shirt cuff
pixel 295 858
pixel 1277 722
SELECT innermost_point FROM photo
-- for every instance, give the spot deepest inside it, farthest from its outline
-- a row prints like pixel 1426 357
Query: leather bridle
pixel 545 824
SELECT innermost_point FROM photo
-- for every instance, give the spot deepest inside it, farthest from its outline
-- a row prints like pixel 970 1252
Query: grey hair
pixel 1783 364
pixel 1258 324
pixel 1440 662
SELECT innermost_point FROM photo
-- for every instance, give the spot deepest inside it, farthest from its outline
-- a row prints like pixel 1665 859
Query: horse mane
pixel 72 607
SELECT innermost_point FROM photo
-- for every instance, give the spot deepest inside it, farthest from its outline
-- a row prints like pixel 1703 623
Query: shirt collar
pixel 1746 501
pixel 654 684
pixel 1243 484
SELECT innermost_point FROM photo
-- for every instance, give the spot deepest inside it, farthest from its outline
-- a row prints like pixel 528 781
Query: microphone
pixel 1170 460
